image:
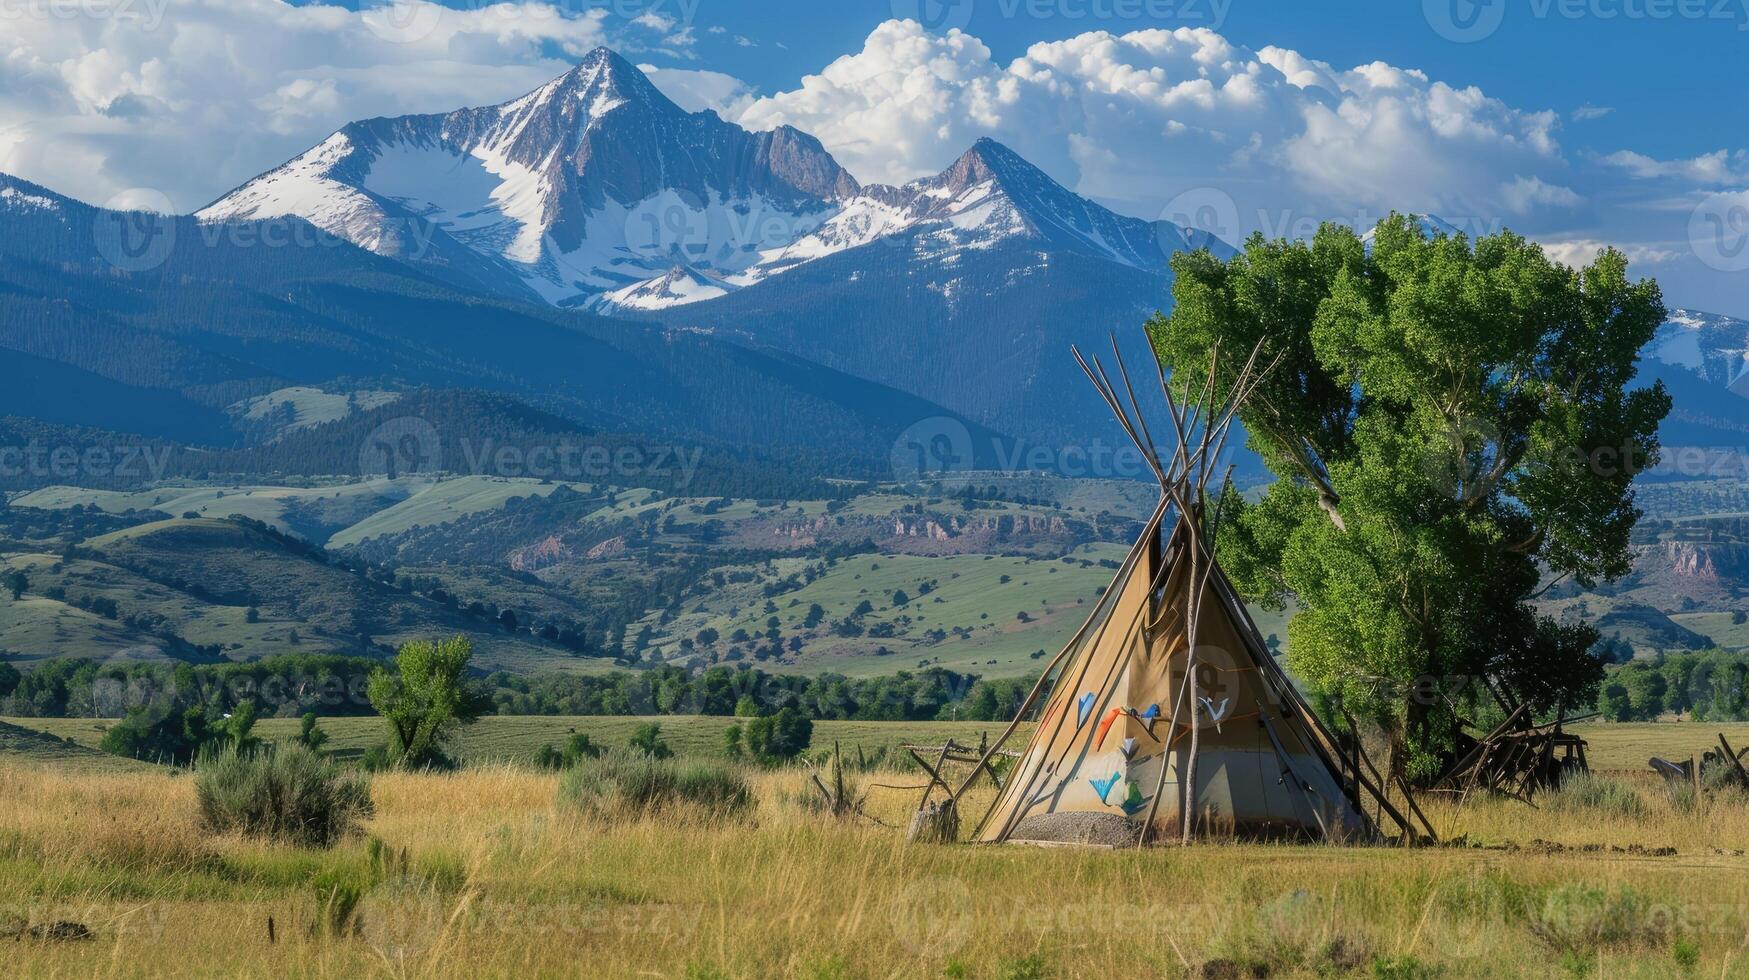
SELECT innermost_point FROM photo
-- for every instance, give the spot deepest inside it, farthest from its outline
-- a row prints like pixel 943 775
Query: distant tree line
pixel 1708 686
pixel 330 685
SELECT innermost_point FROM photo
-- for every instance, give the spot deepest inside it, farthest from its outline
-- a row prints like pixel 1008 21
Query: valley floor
pixel 501 880
pixel 515 739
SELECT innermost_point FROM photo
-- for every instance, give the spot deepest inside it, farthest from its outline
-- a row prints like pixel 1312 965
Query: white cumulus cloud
pixel 190 97
pixel 1717 167
pixel 1138 119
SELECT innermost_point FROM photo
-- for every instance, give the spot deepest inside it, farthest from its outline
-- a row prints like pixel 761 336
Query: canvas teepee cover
pixel 1094 763
pixel 1122 730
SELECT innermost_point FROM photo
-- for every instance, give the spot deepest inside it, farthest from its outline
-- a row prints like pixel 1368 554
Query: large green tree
pixel 425 698
pixel 1451 427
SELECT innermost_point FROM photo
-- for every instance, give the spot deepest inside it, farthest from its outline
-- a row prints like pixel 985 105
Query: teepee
pixel 1168 686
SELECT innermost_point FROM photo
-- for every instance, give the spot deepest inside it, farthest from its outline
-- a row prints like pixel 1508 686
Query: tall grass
pixel 484 872
pixel 1600 795
pixel 286 793
pixel 627 784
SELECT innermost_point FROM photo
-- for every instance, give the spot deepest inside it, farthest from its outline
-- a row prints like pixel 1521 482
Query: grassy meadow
pixel 499 878
pixel 489 873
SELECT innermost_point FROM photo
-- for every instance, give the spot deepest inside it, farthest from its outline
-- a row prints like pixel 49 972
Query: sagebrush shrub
pixel 632 784
pixel 286 793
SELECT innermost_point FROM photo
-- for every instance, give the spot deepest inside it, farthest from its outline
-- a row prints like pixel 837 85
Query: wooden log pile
pixel 1518 758
pixel 1716 768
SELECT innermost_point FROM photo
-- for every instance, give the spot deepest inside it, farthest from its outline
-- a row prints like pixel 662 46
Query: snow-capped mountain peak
pixel 1712 346
pixel 591 182
pixel 596 189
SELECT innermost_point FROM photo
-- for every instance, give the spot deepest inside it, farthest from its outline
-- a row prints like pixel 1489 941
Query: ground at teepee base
pixel 499 879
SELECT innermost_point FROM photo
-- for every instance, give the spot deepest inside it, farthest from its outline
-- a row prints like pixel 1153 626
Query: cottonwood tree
pixel 1452 429
pixel 425 698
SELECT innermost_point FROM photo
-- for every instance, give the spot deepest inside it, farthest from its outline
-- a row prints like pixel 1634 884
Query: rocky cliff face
pixel 1711 563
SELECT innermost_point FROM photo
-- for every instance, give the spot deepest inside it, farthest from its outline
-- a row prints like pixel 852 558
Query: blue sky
pixel 1677 85
pixel 1577 122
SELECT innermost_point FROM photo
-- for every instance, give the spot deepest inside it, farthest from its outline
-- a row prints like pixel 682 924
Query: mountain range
pixel 603 254
pixel 597 191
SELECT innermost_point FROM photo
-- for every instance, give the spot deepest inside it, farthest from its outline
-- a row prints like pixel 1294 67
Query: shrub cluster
pixel 287 793
pixel 628 784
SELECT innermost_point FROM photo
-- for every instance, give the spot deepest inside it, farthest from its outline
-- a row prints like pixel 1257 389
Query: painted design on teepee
pixel 1083 708
pixel 1105 726
pixel 1103 786
pixel 1217 713
pixel 1128 748
pixel 1134 801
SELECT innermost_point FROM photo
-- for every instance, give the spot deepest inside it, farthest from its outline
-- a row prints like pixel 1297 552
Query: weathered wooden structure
pixel 1518 758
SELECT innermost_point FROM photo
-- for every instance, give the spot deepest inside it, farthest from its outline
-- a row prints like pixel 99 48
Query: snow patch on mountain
pixel 20 200
pixel 1712 346
pixel 677 287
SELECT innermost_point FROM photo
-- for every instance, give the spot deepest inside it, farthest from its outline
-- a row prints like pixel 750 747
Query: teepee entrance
pixel 1165 716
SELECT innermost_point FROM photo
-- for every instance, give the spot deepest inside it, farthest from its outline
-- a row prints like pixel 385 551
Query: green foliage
pixel 1447 423
pixel 326 685
pixel 646 739
pixel 235 731
pixel 171 734
pixel 15 583
pixel 425 699
pixel 1030 967
pixel 287 793
pixel 628 784
pixel 578 748
pixel 9 678
pixel 310 736
pixel 1709 686
pixel 777 738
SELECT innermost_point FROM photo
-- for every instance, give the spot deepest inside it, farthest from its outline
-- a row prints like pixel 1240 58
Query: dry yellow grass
pixel 502 881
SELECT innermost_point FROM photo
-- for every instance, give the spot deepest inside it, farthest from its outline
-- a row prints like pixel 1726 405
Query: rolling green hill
pixel 197 580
